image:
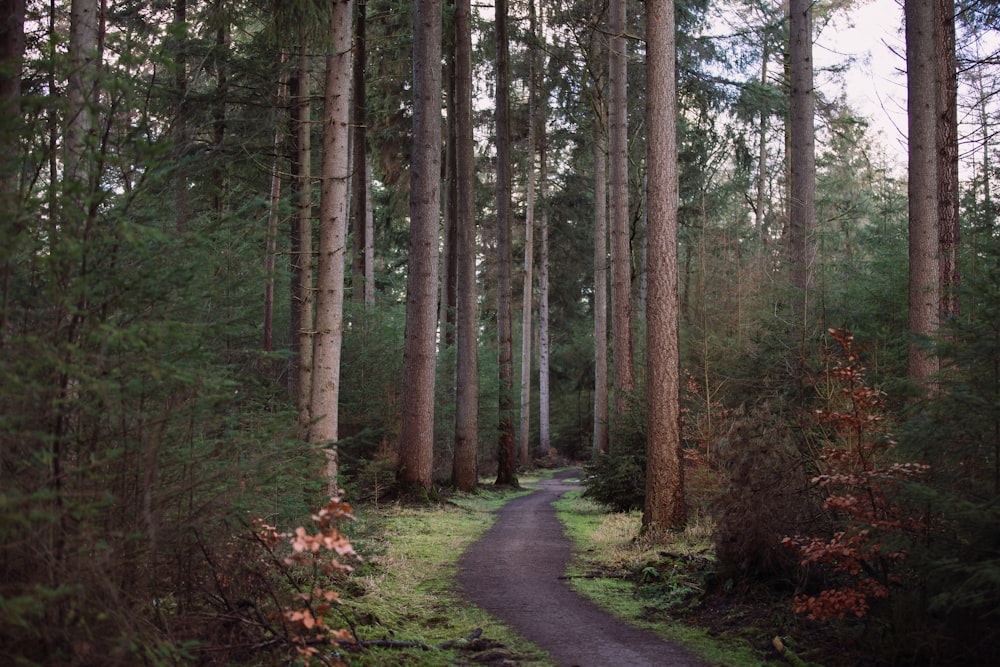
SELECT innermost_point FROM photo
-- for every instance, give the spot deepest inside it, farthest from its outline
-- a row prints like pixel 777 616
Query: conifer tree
pixel 416 436
pixel 334 197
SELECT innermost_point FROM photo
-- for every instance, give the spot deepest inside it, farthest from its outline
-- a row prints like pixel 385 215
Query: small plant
pixel 704 418
pixel 314 561
pixel 860 484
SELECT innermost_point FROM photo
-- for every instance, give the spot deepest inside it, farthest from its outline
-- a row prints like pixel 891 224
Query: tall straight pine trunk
pixel 416 436
pixel 527 295
pixel 334 197
pixel 506 455
pixel 621 255
pixel 601 440
pixel 465 472
pixel 11 57
pixel 947 151
pixel 664 504
pixel 301 246
pixel 802 159
pixel 922 188
pixel 359 160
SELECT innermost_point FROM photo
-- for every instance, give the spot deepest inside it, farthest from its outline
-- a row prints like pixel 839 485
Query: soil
pixel 514 572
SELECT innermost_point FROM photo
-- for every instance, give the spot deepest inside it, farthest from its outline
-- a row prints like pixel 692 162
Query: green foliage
pixel 763 495
pixel 571 374
pixel 618 479
pixel 955 431
pixel 140 419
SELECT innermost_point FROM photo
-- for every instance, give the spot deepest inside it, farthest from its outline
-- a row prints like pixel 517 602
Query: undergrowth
pixel 408 591
pixel 646 581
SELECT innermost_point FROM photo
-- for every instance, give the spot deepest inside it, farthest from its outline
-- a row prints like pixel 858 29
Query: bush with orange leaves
pixel 310 562
pixel 862 502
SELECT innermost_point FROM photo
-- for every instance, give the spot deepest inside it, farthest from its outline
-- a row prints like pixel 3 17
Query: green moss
pixel 409 582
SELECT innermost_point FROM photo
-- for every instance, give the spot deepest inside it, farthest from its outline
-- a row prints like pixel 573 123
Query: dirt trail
pixel 513 573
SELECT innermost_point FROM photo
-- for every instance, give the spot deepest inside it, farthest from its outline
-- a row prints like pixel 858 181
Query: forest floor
pixel 517 572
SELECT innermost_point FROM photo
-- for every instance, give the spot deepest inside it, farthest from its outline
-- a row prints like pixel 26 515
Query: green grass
pixel 609 556
pixel 410 594
pixel 409 585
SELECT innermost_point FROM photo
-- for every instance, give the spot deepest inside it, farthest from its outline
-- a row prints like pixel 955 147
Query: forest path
pixel 514 571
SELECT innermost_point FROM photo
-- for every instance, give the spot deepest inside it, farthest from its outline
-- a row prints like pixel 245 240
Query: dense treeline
pixel 161 187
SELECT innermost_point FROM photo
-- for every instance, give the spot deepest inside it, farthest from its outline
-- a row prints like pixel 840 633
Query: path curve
pixel 513 573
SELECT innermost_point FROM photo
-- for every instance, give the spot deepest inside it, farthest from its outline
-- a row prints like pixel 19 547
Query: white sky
pixel 875 86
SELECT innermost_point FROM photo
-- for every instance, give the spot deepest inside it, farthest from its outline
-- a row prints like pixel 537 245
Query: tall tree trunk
pixel 664 505
pixel 802 160
pixel 274 203
pixel 220 103
pixel 369 238
pixel 334 198
pixel 180 129
pixel 601 440
pixel 11 57
pixel 947 150
pixel 465 473
pixel 544 390
pixel 416 437
pixel 73 223
pixel 922 188
pixel 527 294
pixel 301 246
pixel 359 161
pixel 506 455
pixel 449 272
pixel 621 256
pixel 81 90
pixel 759 217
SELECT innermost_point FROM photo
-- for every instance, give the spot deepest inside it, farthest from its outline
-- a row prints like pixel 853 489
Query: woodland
pixel 271 266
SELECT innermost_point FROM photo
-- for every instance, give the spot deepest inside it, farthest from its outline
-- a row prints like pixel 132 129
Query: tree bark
pixel 221 56
pixel 334 198
pixel 416 437
pixel 506 456
pixel 81 91
pixel 359 159
pixel 601 440
pixel 947 149
pixel 621 257
pixel 465 473
pixel 274 202
pixel 802 132
pixel 369 238
pixel 180 129
pixel 759 214
pixel 302 322
pixel 527 294
pixel 922 188
pixel 544 390
pixel 449 261
pixel 11 57
pixel 664 504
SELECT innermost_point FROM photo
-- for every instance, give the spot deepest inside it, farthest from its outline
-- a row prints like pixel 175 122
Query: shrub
pixel 764 494
pixel 618 479
pixel 861 557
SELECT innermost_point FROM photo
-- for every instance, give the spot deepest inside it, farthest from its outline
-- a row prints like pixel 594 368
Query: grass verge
pixel 647 582
pixel 407 591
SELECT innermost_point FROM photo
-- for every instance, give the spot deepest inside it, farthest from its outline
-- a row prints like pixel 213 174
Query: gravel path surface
pixel 513 573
